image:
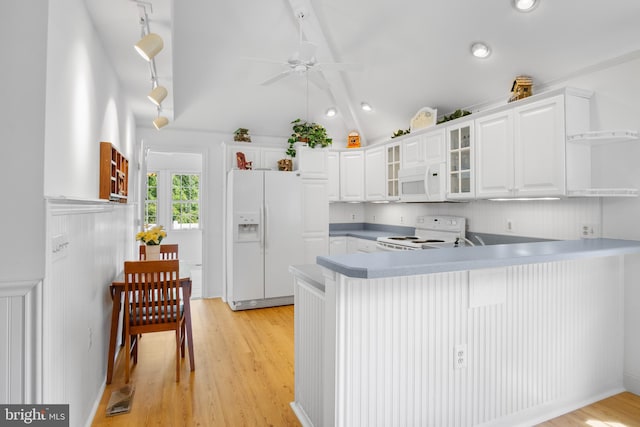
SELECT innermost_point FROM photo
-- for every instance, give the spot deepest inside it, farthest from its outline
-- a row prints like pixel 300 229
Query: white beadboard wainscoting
pixel 540 339
pixel 309 327
pixel 87 245
pixel 20 337
pixel 549 219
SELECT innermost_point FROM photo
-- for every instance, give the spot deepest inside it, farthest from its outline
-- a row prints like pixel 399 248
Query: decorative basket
pixel 285 165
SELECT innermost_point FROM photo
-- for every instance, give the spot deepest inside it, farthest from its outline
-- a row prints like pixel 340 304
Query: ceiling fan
pixel 303 61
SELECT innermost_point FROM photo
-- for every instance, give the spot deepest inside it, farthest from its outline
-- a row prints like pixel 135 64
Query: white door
pixel 282 231
pixel 375 177
pixel 245 260
pixel 494 155
pixel 540 148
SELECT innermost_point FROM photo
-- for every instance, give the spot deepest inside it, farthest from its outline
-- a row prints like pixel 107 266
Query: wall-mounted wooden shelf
pixel 114 174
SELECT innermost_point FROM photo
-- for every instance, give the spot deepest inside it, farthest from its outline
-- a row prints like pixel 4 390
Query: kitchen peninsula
pixel 500 335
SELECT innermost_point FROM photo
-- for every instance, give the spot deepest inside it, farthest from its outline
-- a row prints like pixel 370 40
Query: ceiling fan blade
pixel 275 78
pixel 266 60
pixel 340 66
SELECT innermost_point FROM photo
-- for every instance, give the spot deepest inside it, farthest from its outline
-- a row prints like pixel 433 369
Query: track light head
pixel 160 122
pixel 157 95
pixel 149 46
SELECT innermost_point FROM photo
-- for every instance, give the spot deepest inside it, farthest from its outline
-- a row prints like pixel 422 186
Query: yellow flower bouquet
pixel 152 236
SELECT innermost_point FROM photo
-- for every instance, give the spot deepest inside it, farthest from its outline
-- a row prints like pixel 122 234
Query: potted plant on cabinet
pixel 310 133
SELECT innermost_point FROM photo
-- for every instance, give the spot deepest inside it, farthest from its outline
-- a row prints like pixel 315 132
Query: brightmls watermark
pixel 35 415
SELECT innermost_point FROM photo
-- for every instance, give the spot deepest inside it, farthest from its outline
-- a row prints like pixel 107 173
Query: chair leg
pixel 127 347
pixel 178 354
pixel 182 335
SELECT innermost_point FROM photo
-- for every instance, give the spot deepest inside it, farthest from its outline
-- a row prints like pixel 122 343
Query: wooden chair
pixel 241 161
pixel 160 310
pixel 166 252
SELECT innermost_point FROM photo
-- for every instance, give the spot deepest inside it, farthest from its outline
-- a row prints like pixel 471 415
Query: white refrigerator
pixel 264 237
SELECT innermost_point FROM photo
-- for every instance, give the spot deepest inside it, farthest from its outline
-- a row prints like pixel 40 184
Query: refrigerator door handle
pixel 261 232
pixel 266 228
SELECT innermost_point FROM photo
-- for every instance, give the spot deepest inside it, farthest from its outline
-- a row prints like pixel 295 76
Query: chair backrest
pixel 166 252
pixel 152 293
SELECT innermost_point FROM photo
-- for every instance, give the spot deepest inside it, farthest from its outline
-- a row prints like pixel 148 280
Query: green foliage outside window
pixel 185 195
pixel 151 201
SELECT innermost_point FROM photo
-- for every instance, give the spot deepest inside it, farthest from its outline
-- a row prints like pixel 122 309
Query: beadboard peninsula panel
pixel 555 343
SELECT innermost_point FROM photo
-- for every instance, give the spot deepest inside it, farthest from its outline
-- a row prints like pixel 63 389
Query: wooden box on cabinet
pixel 114 174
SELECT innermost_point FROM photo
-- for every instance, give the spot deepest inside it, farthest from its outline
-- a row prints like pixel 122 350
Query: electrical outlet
pixel 460 356
pixel 353 216
pixel 589 231
pixel 508 226
pixel 401 220
pixel 374 218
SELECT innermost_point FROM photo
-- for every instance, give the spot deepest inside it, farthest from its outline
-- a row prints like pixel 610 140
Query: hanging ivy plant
pixel 312 134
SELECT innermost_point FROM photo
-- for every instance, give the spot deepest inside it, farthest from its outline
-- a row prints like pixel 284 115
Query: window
pixel 185 201
pixel 151 201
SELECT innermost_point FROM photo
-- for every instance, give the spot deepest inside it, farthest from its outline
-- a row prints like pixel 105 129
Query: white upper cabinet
pixel 333 176
pixel 434 146
pixel 460 161
pixel 375 177
pixel 352 175
pixel 393 166
pixel 539 147
pixel 520 151
pixel 413 151
pixel 494 155
pixel 312 163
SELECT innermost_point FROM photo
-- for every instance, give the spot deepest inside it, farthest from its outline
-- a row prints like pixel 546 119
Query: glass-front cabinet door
pixel 460 176
pixel 393 166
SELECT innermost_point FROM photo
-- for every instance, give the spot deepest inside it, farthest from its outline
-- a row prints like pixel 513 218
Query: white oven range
pixel 432 232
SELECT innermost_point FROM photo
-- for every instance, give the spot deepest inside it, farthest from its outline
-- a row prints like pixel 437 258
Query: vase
pixel 152 252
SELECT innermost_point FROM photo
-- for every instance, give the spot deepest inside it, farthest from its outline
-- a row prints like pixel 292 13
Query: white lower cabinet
pixel 338 245
pixel 358 245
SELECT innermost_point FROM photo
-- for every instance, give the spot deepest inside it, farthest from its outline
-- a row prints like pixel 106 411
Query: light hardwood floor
pixel 244 377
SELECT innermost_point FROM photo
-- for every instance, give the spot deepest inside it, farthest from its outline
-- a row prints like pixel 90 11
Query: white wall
pixel 51 137
pixel 23 29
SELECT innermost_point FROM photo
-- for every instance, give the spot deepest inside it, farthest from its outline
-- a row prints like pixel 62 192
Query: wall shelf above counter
pixel 604 137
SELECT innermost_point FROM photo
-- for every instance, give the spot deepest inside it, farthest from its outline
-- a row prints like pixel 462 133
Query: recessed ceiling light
pixel 525 5
pixel 366 107
pixel 480 50
pixel 331 112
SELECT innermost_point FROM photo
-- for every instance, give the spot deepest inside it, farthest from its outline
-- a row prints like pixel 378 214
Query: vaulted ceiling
pixel 406 54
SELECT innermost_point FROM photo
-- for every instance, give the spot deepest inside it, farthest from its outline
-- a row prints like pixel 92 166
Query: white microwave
pixel 423 183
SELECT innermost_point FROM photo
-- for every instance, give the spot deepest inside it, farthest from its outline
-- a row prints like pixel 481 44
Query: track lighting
pixel 149 46
pixel 157 95
pixel 160 122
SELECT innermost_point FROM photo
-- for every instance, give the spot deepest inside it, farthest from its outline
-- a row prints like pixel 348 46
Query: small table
pixel 117 289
